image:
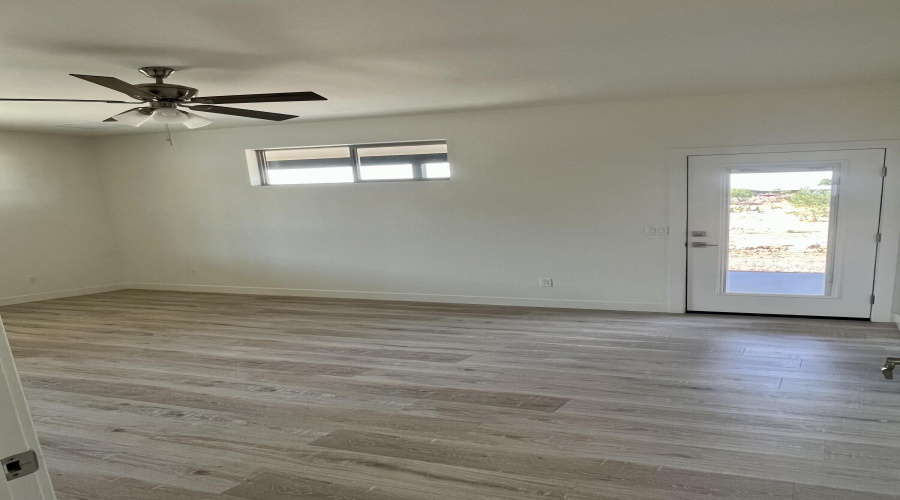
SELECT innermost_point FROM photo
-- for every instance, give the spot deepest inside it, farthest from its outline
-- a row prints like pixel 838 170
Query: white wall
pixel 54 219
pixel 562 192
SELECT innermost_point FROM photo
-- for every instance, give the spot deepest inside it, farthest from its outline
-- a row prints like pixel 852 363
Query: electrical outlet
pixel 657 231
pixel 33 280
pixel 543 282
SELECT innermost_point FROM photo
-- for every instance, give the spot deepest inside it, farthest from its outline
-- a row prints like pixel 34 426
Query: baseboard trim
pixel 410 297
pixel 61 294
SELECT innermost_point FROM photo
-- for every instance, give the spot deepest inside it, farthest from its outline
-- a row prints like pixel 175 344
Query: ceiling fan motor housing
pixel 165 91
pixel 169 91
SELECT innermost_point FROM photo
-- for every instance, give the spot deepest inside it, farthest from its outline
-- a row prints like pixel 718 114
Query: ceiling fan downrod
pixel 159 73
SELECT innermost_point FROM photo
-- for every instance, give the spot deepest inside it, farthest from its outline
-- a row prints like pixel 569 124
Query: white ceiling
pixel 385 57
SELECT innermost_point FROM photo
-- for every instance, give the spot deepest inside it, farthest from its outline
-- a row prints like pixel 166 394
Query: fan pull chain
pixel 169 136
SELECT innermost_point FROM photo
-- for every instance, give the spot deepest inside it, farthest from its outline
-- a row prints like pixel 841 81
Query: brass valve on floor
pixel 888 369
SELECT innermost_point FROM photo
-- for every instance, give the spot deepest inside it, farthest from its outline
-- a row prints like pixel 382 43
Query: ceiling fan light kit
pixel 134 117
pixel 194 121
pixel 164 99
pixel 170 116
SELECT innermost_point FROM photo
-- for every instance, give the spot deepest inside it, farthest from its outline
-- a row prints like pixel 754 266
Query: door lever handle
pixel 700 244
pixel 888 369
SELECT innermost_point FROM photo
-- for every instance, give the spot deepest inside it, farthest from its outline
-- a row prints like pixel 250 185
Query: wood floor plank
pixel 75 486
pixel 596 471
pixel 271 486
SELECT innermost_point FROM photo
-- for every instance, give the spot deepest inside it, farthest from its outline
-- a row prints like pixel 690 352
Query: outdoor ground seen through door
pixel 778 236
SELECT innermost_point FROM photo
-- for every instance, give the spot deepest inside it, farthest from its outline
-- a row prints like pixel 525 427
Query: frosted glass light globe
pixel 170 115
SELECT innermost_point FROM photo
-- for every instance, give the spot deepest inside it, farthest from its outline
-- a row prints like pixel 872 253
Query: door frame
pixel 35 486
pixel 888 249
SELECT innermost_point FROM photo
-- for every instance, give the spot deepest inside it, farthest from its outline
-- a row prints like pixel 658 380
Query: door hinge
pixel 884 171
pixel 872 301
pixel 878 238
pixel 20 465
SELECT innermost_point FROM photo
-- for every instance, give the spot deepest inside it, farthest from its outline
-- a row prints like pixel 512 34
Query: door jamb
pixel 36 486
pixel 888 249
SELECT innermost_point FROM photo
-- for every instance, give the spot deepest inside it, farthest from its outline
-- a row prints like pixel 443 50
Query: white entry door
pixel 19 448
pixel 784 233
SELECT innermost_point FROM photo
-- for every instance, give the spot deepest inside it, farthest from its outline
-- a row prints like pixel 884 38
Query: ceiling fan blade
pixel 247 113
pixel 245 98
pixel 117 85
pixel 69 100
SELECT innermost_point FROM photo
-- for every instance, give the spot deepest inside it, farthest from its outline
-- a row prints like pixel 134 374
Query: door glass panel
pixel 779 232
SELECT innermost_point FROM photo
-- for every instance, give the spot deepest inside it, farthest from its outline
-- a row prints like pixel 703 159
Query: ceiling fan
pixel 164 99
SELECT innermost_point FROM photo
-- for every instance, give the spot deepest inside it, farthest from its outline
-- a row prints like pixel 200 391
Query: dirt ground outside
pixel 765 236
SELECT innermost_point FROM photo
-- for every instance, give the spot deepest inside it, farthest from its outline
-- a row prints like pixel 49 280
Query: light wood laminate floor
pixel 145 395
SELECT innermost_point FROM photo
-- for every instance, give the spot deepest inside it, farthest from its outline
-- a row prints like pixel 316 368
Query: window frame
pixel 258 156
